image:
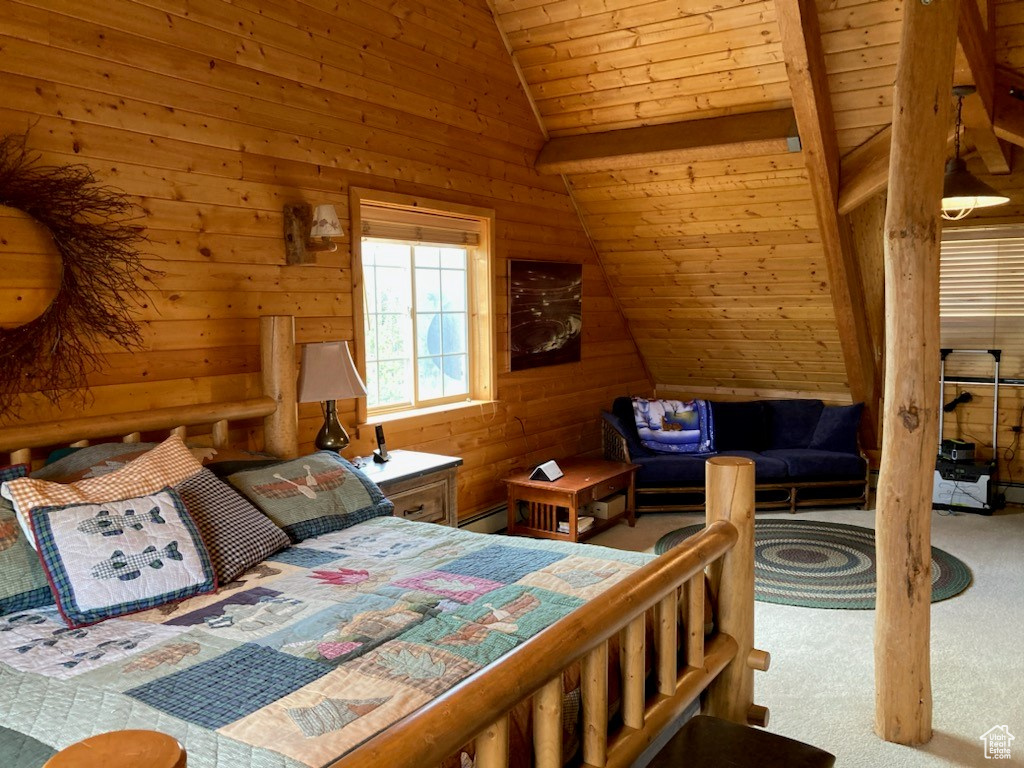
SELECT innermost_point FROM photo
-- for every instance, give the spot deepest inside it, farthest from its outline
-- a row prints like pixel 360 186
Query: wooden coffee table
pixel 549 502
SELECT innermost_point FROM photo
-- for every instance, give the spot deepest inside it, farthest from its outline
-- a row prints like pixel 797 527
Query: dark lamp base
pixel 332 436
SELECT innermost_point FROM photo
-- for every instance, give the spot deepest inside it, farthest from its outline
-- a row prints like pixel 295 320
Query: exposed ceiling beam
pixel 975 65
pixel 805 66
pixel 1009 106
pixel 865 171
pixel 749 135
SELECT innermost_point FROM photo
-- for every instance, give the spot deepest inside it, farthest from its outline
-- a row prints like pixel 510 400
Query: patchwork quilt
pixel 302 658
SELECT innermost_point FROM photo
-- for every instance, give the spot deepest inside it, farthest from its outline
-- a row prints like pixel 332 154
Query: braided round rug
pixel 824 565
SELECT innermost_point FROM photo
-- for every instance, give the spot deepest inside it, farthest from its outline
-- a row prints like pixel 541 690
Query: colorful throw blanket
pixel 674 426
pixel 302 658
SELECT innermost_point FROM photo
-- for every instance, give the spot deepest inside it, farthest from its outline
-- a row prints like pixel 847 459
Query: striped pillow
pixel 166 465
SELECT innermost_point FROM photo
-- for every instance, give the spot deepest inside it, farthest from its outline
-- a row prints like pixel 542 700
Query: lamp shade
pixel 963 191
pixel 328 373
pixel 326 223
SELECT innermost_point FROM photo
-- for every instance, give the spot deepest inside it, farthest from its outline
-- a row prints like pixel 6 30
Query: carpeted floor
pixel 820 688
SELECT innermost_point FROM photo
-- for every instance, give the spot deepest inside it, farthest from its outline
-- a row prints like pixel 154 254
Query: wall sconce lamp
pixel 309 231
pixel 962 191
pixel 328 374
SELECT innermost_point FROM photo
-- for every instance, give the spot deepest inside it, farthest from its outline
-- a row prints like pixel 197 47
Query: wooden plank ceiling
pixel 718 262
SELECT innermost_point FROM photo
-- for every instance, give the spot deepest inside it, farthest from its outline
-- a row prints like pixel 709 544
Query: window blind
pixel 982 273
pixel 421 227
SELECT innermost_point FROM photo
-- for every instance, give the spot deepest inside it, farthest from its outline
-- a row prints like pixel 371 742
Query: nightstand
pixel 421 485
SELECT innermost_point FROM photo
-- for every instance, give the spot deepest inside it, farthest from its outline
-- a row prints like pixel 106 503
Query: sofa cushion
pixel 622 409
pixel 791 423
pixel 670 469
pixel 837 428
pixel 767 469
pixel 739 426
pixel 812 464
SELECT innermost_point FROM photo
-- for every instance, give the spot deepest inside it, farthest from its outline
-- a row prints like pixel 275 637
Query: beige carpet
pixel 820 688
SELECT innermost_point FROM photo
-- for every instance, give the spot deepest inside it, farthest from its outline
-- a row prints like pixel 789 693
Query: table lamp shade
pixel 328 373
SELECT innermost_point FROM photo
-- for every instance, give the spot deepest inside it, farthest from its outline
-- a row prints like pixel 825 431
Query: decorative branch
pixel 101 273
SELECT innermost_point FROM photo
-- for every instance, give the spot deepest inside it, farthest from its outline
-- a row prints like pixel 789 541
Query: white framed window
pixel 422 302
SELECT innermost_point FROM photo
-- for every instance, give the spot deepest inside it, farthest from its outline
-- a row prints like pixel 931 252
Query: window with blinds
pixel 422 302
pixel 981 295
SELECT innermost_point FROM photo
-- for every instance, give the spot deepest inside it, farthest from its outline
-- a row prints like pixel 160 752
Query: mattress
pixel 305 656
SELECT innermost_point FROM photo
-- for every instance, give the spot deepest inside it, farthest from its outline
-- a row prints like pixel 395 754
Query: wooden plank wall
pixel 212 115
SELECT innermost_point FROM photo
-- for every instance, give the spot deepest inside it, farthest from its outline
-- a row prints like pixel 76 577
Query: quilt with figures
pixel 302 658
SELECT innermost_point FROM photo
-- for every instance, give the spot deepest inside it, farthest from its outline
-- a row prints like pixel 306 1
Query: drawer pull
pixel 412 511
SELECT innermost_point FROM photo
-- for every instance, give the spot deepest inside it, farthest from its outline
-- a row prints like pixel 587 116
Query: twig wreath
pixel 101 270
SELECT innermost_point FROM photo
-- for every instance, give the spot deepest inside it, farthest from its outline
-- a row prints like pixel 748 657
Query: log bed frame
pixel 672 587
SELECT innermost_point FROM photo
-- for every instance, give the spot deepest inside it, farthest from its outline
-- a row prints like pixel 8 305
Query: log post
pixel 278 371
pixel 921 107
pixel 730 496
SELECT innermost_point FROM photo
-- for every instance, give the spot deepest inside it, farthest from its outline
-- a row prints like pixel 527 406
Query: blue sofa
pixel 805 454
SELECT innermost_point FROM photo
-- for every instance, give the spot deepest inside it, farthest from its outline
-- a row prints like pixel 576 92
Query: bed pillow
pixel 166 465
pixel 106 559
pixel 313 495
pixel 23 584
pixel 236 534
pixel 91 461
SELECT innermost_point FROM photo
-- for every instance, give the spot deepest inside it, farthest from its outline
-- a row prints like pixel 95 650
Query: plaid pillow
pixel 236 534
pixel 23 583
pixel 313 495
pixel 166 465
pixel 110 559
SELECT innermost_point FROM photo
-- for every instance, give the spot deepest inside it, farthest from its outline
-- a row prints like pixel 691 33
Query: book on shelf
pixel 582 524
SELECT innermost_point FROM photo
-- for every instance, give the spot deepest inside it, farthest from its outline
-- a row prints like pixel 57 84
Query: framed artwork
pixel 545 313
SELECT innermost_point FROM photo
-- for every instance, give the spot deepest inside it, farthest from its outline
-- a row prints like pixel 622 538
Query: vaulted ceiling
pixel 727 245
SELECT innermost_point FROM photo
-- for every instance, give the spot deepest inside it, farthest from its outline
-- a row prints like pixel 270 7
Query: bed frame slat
pixel 547 725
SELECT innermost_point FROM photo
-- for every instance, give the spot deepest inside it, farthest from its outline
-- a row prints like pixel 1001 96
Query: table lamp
pixel 328 374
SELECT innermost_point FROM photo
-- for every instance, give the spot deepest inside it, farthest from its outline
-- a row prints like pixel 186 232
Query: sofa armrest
pixel 613 441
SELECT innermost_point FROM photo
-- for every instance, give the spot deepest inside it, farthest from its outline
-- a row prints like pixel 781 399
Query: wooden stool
pixel 122 749
pixel 708 742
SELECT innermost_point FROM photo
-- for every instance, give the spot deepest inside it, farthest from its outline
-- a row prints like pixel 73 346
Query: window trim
pixel 480 294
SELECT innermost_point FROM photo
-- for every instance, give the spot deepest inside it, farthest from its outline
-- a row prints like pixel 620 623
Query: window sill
pixel 421 417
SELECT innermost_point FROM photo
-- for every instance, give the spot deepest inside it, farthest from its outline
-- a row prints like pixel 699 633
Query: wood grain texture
pixel 214 116
pixel 903 699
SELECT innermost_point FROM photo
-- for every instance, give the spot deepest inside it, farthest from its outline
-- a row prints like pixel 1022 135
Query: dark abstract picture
pixel 545 313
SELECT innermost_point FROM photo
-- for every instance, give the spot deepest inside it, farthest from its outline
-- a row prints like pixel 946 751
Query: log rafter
pixel 746 135
pixel 992 115
pixel 805 66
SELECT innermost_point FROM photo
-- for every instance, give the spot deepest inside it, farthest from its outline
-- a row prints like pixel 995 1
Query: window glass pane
pixel 453 290
pixel 392 290
pixel 453 258
pixel 456 375
pixel 431 387
pixel 372 398
pixel 427 256
pixel 393 383
pixel 428 290
pixel 453 327
pixel 392 337
pixel 371 338
pixel 391 254
pixel 428 334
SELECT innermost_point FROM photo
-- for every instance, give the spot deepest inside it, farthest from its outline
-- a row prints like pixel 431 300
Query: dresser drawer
pixel 425 503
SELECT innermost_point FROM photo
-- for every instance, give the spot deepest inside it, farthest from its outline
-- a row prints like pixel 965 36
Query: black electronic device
pixel 956 450
pixel 381 454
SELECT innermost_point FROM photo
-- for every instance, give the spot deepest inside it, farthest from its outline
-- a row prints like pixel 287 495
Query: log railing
pixel 672 585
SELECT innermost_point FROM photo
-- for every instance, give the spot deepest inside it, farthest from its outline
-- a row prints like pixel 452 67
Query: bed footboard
pixel 673 586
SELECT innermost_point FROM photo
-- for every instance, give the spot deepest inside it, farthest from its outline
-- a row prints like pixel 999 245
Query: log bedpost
pixel 278 371
pixel 730 497
pixel 921 122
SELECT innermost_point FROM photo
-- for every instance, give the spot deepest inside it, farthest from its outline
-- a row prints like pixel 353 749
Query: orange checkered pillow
pixel 166 465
